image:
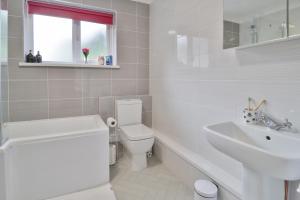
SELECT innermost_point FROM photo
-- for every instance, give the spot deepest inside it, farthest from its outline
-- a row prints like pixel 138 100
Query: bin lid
pixel 206 188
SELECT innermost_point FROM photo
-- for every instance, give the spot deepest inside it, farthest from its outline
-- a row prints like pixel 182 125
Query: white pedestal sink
pixel 269 157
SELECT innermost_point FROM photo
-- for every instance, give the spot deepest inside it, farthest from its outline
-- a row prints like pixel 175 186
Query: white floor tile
pixel 153 183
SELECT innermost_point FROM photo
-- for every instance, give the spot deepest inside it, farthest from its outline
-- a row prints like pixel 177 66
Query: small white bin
pixel 205 190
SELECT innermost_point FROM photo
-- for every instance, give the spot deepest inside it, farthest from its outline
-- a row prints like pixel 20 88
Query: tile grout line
pixel 137 53
pixel 8 93
pixel 48 92
pixel 111 75
pixel 82 92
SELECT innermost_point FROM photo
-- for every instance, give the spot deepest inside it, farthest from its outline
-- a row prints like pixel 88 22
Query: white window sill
pixel 68 65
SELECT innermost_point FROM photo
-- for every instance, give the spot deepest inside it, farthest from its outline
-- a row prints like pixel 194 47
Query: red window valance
pixel 75 13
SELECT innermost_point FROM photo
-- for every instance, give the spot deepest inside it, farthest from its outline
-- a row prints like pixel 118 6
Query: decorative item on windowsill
pixel 30 57
pixel 250 114
pixel 85 52
pixel 109 60
pixel 38 57
pixel 101 60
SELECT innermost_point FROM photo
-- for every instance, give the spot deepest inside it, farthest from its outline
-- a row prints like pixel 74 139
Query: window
pixel 59 32
pixel 94 36
pixel 52 36
pixel 3 37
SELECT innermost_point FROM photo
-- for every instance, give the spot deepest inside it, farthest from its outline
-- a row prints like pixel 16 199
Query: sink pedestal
pixel 261 187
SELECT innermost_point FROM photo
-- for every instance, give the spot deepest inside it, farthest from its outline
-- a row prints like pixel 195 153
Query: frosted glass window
pixel 53 38
pixel 94 37
pixel 4 19
pixel 3 38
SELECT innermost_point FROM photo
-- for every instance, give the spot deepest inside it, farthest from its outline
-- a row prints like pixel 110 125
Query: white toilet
pixel 137 138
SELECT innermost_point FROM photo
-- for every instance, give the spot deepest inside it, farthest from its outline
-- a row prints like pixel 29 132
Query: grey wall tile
pixel 127 55
pixel 143 9
pixel 142 71
pixel 147 119
pixel 59 89
pixel 65 108
pixel 123 87
pixel 90 106
pixel 127 71
pixel 96 74
pixel 15 26
pixel 143 56
pixel 4 90
pixel 126 22
pixel 99 3
pixel 124 6
pixel 147 103
pixel 143 40
pixel 142 87
pixel 15 48
pixel 127 38
pixel 106 107
pixel 28 110
pixel 4 72
pixel 5 112
pixel 17 73
pixel 27 90
pixel 76 1
pixel 96 88
pixel 15 7
pixel 63 73
pixel 143 24
pixel 71 92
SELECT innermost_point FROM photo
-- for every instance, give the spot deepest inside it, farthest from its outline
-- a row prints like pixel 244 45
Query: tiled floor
pixel 153 183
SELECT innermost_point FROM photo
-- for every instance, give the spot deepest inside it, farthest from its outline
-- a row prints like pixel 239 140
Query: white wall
pixel 195 83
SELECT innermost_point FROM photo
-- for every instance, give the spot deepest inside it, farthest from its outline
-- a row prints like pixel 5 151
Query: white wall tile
pixel 194 82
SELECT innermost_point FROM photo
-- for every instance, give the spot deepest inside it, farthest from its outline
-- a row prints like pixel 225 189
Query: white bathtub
pixel 49 158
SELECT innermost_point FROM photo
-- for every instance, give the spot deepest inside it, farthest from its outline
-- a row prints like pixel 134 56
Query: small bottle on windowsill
pixel 30 57
pixel 38 57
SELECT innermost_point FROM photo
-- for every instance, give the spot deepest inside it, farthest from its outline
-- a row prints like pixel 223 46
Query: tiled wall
pixel 215 86
pixel 36 93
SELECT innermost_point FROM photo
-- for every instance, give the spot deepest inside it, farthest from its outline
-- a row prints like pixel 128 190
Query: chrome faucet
pixel 272 123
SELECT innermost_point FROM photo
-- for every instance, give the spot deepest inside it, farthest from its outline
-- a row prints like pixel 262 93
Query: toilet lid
pixel 137 132
pixel 206 188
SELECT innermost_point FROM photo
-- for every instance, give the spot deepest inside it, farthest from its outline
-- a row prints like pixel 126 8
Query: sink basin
pixel 273 153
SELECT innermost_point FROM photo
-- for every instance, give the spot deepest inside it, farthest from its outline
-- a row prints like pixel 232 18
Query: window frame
pixel 76 38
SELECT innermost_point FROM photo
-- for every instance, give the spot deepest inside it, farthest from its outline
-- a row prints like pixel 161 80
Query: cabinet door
pixel 249 22
pixel 294 17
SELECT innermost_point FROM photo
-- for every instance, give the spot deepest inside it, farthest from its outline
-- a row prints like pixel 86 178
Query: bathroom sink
pixel 268 152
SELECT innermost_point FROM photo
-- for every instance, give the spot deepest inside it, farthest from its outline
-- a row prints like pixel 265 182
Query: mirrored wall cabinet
pixel 253 22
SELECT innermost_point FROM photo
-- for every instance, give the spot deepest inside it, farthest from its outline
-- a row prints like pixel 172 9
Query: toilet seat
pixel 137 132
